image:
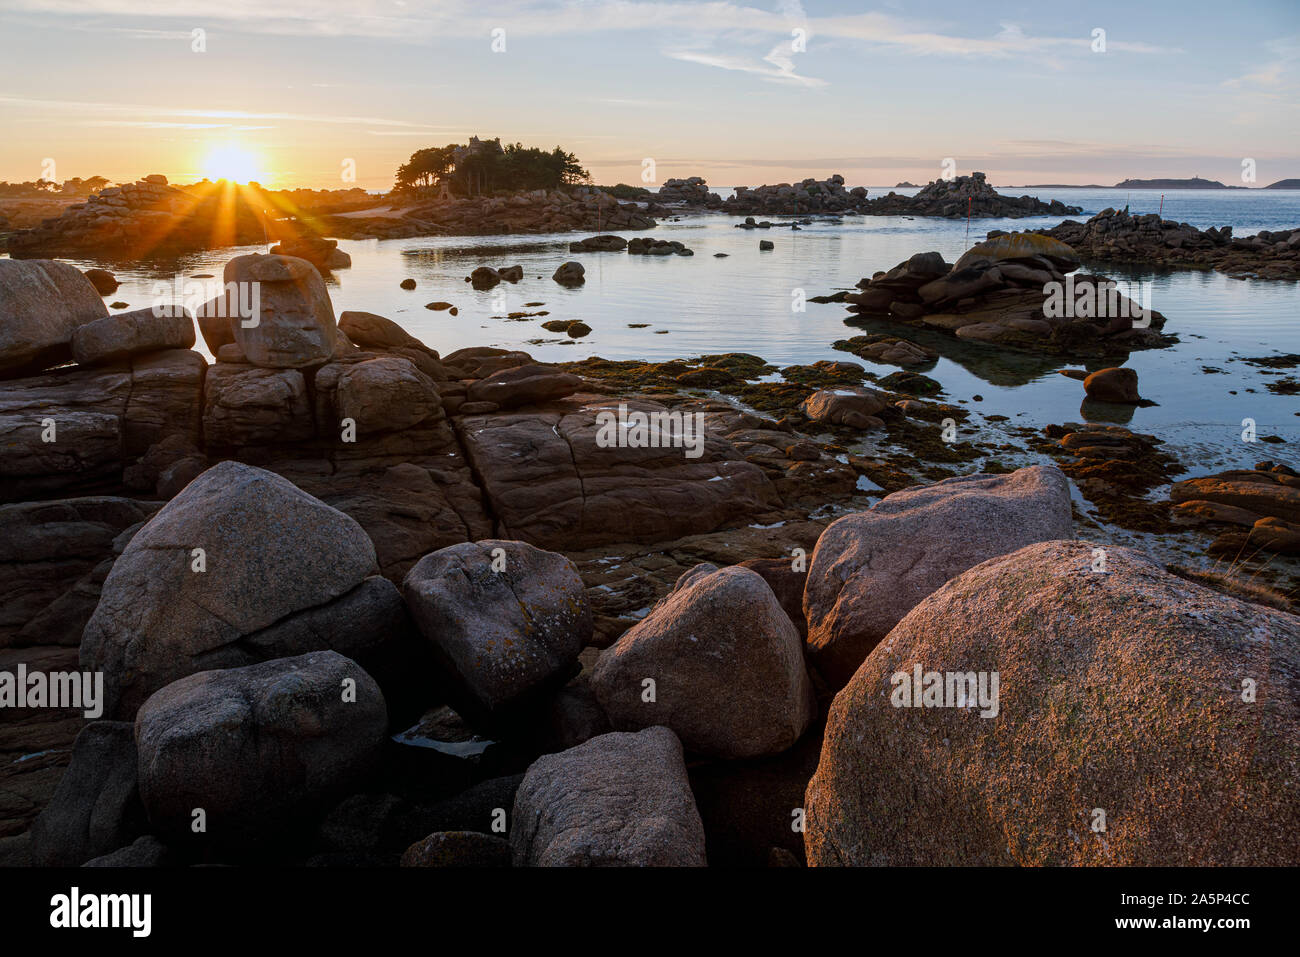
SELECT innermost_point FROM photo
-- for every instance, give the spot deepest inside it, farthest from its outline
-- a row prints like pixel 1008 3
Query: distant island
pixel 1284 184
pixel 906 185
pixel 1194 183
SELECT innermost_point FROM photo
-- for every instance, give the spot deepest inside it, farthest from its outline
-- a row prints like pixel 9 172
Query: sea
pixel 731 297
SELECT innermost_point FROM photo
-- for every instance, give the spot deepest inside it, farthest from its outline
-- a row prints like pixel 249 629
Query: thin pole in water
pixel 1162 205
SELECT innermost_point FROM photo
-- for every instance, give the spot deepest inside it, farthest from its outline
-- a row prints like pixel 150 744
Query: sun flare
pixel 235 163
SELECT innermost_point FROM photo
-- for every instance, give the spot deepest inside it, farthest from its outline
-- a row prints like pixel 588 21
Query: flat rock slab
pixel 552 484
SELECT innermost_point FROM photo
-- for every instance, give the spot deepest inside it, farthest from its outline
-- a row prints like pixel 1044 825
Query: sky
pixel 330 94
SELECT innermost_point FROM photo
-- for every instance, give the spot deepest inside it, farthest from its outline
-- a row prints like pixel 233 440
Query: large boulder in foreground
pixel 871 568
pixel 294 325
pixel 727 665
pixel 283 573
pixel 255 746
pixel 42 302
pixel 506 620
pixel 1120 693
pixel 618 800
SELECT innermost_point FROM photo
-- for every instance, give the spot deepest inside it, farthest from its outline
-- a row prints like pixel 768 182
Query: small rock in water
pixel 105 282
pixel 1113 385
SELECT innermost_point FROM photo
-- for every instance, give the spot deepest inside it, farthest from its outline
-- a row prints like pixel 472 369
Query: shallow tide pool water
pixel 744 302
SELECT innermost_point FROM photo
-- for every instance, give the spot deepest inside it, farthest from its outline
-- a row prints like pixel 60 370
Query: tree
pixel 426 167
pixel 483 166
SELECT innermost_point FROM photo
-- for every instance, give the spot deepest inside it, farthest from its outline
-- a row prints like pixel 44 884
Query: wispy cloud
pixel 1281 72
pixel 153 113
pixel 775 66
pixel 422 20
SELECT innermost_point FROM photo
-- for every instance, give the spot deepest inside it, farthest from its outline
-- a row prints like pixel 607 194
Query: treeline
pixel 485 166
pixel 44 187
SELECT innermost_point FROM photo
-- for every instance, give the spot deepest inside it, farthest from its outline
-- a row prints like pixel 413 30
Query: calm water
pixel 743 303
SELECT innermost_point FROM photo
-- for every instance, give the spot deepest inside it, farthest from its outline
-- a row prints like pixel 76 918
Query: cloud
pixel 1276 75
pixel 152 112
pixel 777 66
pixel 423 20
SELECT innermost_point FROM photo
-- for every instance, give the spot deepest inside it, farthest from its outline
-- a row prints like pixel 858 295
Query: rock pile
pixel 262 665
pixel 809 196
pixel 644 246
pixel 537 211
pixel 966 195
pixel 1116 235
pixel 1012 290
pixel 692 191
pixel 1264 501
pixel 138 218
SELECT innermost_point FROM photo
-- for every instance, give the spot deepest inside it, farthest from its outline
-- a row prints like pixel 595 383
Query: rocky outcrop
pixel 54 557
pixel 255 747
pixel 535 211
pixel 42 303
pixel 965 196
pixel 1141 720
pixel 147 217
pixel 76 430
pixel 555 483
pixel 1116 235
pixel 871 568
pixel 808 196
pixel 725 665
pixel 619 800
pixel 645 246
pixel 691 191
pixel 1013 290
pixel 506 620
pixel 240 567
pixel 1265 501
pixel 891 350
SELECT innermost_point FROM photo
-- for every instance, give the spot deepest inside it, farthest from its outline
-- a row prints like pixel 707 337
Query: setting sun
pixel 234 163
